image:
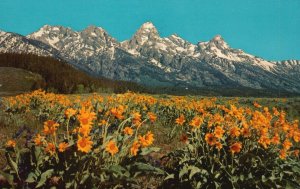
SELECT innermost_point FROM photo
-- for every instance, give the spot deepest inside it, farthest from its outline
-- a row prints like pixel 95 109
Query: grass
pixel 14 81
pixel 10 125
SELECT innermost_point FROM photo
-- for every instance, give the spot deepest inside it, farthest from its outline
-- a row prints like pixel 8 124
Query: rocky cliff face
pixel 152 60
pixel 15 43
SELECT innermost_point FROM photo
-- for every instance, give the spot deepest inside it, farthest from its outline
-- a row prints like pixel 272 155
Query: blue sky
pixel 266 28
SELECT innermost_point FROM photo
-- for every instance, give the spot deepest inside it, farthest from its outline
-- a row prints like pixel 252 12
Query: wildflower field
pixel 142 141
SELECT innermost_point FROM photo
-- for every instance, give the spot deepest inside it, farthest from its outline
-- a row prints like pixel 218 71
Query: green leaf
pixel 8 177
pixel 288 172
pixel 272 177
pixel 117 169
pixel 183 171
pixel 234 179
pixel 250 176
pixel 31 178
pixel 146 167
pixel 12 164
pixel 71 142
pixel 37 152
pixel 102 178
pixel 146 151
pixel 217 185
pixel 217 175
pixel 120 137
pixel 199 184
pixel 170 176
pixel 126 174
pixel 190 147
pixel 84 178
pixel 194 170
pixel 242 178
pixel 281 175
pixel 45 175
pixel 296 169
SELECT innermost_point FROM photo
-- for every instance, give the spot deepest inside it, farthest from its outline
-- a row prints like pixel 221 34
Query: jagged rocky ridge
pixel 149 59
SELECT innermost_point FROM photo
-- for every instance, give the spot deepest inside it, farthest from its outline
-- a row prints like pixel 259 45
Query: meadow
pixel 135 140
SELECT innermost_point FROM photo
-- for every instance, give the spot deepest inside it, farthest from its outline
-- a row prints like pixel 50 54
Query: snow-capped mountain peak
pixel 218 38
pixel 163 60
pixel 15 43
pixel 98 36
pixel 52 35
pixel 75 44
pixel 218 47
pixel 177 39
pixel 218 42
pixel 94 30
pixel 148 27
pixel 49 30
pixel 146 33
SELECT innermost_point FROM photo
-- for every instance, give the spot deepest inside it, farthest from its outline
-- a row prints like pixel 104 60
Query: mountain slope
pixel 15 80
pixel 61 77
pixel 15 43
pixel 152 60
pixel 96 52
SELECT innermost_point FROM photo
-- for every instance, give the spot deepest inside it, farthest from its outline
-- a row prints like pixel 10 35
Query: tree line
pixel 61 77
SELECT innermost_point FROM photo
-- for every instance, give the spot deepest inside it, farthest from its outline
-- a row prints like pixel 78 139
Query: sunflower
pixel 196 122
pixel 219 146
pixel 86 117
pixel 38 140
pixel 134 148
pixel 85 130
pixel 287 144
pixel 276 139
pixel 70 112
pixel 296 152
pixel 103 122
pixel 128 131
pixel 11 143
pixel 147 139
pixel 50 127
pixel 257 105
pixel 50 148
pixel 219 132
pixel 84 144
pixel 62 146
pixel 282 154
pixel 152 117
pixel 264 141
pixel 296 136
pixel 246 132
pixel 236 147
pixel 112 148
pixel 136 118
pixel 118 112
pixel 210 139
pixel 275 111
pixel 180 120
pixel 234 131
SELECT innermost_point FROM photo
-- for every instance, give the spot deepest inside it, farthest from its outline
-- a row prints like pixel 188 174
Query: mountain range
pixel 152 60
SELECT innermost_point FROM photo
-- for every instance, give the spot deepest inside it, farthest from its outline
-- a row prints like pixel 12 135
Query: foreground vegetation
pixel 141 141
